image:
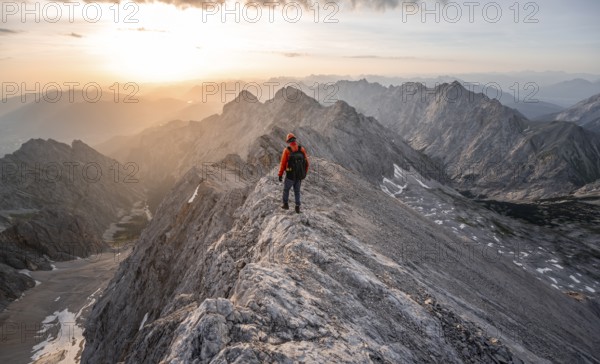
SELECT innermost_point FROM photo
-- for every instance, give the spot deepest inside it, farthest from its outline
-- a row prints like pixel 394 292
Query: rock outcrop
pixel 12 284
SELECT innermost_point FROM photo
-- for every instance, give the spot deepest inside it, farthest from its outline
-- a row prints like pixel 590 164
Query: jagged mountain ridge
pixel 360 277
pixel 585 113
pixel 255 129
pixel 485 147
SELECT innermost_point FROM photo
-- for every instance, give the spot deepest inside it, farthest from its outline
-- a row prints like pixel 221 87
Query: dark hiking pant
pixel 287 185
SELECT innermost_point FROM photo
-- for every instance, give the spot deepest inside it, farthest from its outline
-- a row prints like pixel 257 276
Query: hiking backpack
pixel 296 165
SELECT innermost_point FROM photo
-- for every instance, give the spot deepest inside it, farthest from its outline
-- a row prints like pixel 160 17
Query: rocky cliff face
pixel 484 146
pixel 52 234
pixel 46 173
pixel 57 200
pixel 226 276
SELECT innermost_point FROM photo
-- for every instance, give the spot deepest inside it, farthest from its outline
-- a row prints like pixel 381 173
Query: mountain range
pixel 221 274
pixel 248 127
pixel 484 147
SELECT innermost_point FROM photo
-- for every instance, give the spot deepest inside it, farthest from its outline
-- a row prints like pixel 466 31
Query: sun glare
pixel 172 44
pixel 147 56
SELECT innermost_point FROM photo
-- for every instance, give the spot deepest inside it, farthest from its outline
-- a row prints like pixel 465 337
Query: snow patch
pixel 421 183
pixel 398 172
pixel 147 212
pixel 544 270
pixel 194 195
pixel 27 272
pixel 574 279
pixel 399 189
pixel 590 289
pixel 68 335
pixel 143 321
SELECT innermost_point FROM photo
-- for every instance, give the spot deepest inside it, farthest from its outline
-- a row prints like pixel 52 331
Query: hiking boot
pixel 297 209
pixel 285 206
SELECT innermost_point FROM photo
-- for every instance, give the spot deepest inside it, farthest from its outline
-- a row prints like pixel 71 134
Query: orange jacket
pixel 286 154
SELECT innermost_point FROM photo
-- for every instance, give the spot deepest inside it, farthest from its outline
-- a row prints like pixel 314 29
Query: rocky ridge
pixel 359 277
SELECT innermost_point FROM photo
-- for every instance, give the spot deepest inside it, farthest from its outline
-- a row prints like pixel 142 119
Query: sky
pixel 176 40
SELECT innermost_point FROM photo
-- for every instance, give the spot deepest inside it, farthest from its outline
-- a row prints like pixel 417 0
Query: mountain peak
pixel 454 84
pixel 79 145
pixel 295 96
pixel 289 93
pixel 37 142
pixel 39 146
pixel 246 96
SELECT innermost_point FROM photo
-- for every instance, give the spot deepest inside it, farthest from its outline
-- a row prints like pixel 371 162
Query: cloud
pixel 369 56
pixel 293 54
pixel 284 53
pixel 4 31
pixel 75 35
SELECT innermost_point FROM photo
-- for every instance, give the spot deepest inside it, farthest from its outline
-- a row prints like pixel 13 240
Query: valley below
pixel 45 325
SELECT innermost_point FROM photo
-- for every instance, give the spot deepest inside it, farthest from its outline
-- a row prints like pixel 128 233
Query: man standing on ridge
pixel 294 161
